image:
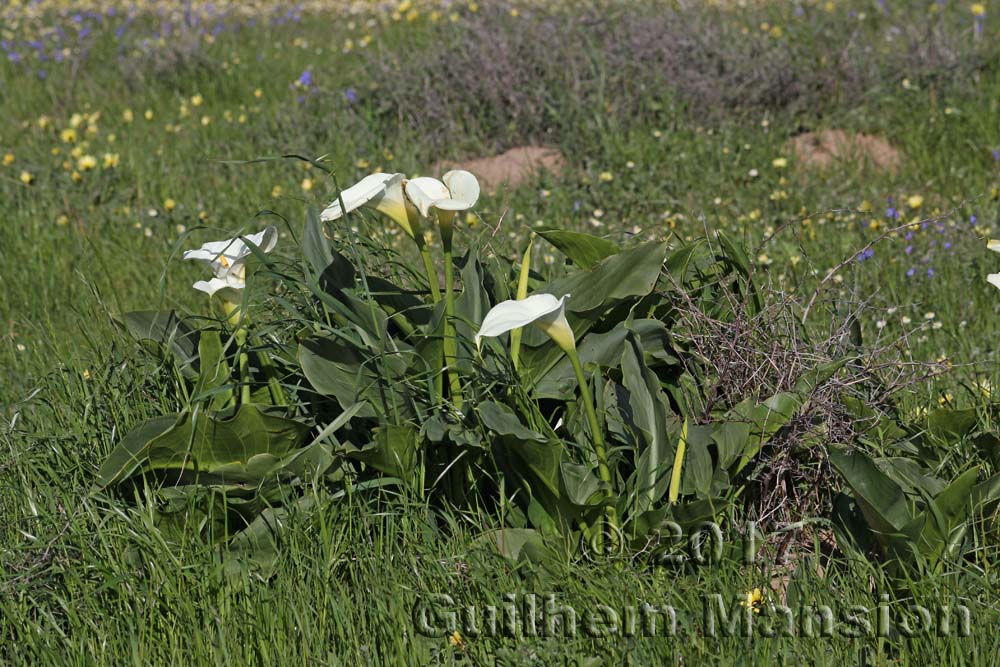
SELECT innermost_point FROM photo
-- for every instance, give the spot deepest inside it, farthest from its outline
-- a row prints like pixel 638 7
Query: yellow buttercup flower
pixel 978 9
pixel 169 204
pixel 915 201
pixel 27 178
pixel 197 100
pixel 8 159
pixel 86 163
pixel 68 135
pixel 753 600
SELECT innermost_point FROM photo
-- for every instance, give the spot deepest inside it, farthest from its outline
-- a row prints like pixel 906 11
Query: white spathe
pixel 544 311
pixel 993 279
pixel 381 192
pixel 458 190
pixel 227 259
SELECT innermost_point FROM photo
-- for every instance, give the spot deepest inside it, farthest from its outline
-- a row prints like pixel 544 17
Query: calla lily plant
pixel 548 313
pixel 227 261
pixel 407 202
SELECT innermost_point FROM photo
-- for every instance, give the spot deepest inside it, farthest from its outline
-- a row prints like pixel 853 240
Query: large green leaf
pixel 584 250
pixel 336 366
pixel 394 450
pixel 169 333
pixel 947 513
pixel 650 411
pixel 530 450
pixel 880 499
pixel 605 350
pixel 240 446
pixel 630 274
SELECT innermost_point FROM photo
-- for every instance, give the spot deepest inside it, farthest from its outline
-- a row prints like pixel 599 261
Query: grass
pixel 88 581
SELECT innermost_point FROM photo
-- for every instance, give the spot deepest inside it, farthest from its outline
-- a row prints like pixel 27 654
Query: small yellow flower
pixel 361 163
pixel 76 177
pixel 455 639
pixel 978 9
pixel 206 120
pixel 169 204
pixel 86 163
pixel 258 93
pixel 27 178
pixel 203 215
pixel 197 100
pixel 307 184
pixel 779 162
pixel 8 159
pixel 915 201
pixel 128 116
pixel 68 135
pixel 471 219
pixel 753 600
pixel 110 160
pixel 276 191
pixel 148 115
pixel 44 122
pixel 606 176
pixel 76 120
pixel 62 220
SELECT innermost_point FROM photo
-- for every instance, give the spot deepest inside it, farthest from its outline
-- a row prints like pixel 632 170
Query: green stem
pixel 450 342
pixel 432 277
pixel 241 341
pixel 273 384
pixel 598 435
pixel 522 293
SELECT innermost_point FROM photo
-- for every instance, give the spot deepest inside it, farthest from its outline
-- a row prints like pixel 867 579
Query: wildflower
pixel 753 173
pixel 929 316
pixel 68 135
pixel 779 162
pixel 76 176
pixel 978 9
pixel 544 311
pixel 915 201
pixel 227 259
pixel 753 600
pixel 27 178
pixel 307 184
pixel 128 116
pixel 86 163
pixel 110 160
pixel 169 205
pixel 8 159
pixel 455 639
pixel 148 115
pixel 206 120
pixel 606 176
pixel 258 93
pixel 197 100
pixel 276 191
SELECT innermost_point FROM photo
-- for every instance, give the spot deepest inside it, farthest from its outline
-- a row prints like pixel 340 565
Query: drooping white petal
pixel 993 279
pixel 993 245
pixel 425 192
pixel 361 193
pixel 543 310
pixel 227 290
pixel 463 186
pixel 227 259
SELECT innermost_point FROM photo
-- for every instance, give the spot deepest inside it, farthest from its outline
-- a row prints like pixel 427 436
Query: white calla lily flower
pixel 993 279
pixel 381 192
pixel 458 190
pixel 544 311
pixel 993 244
pixel 227 260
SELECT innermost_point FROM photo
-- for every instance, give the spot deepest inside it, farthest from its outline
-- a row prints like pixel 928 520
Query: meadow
pixel 827 361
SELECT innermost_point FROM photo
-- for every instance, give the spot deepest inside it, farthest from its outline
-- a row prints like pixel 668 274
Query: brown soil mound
pixel 821 149
pixel 516 166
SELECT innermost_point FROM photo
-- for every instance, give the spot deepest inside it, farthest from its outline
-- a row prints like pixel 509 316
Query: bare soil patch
pixel 820 150
pixel 511 168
